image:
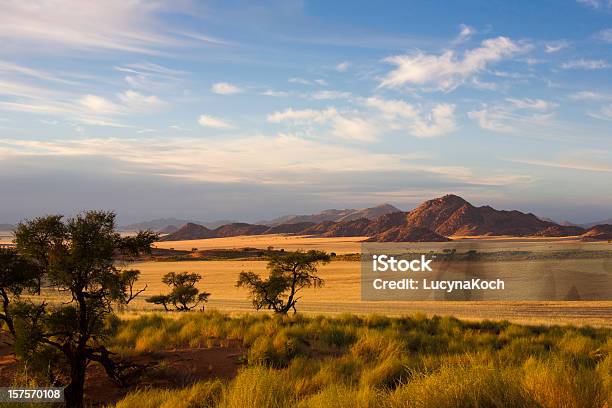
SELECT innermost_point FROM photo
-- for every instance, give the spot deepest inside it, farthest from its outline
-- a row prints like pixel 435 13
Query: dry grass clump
pixel 377 361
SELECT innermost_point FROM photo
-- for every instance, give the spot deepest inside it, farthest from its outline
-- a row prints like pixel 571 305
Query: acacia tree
pixel 288 274
pixel 80 258
pixel 184 295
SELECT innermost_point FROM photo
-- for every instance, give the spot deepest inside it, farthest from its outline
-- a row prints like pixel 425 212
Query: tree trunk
pixel 73 393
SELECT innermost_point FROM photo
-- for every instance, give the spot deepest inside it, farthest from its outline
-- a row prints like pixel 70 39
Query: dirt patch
pixel 167 369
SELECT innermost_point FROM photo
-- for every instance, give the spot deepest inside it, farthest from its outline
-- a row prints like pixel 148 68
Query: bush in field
pixel 184 295
pixel 288 275
pixel 78 257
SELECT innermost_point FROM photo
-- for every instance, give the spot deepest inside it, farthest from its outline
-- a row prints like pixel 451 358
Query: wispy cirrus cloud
pixel 556 46
pixel 514 115
pixel 568 165
pixel 71 24
pixel 247 159
pixel 589 64
pixel 590 96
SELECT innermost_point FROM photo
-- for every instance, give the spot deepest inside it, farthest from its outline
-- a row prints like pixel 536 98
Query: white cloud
pixel 343 66
pixel 465 33
pixel 448 70
pixel 353 128
pixel 139 102
pixel 276 94
pixel 392 108
pixel 225 88
pixel 247 159
pixel 438 121
pixel 605 113
pixel 302 116
pixel 490 119
pixel 9 67
pixel 555 46
pixel 590 96
pixel 343 126
pixel 596 4
pixel 327 94
pixel 515 115
pixel 605 35
pixel 563 165
pixel 210 121
pixel 302 81
pixel 99 105
pixel 535 104
pixel 589 64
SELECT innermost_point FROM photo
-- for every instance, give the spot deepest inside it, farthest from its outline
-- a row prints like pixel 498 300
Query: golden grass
pixel 342 290
pixel 377 361
pixel 342 293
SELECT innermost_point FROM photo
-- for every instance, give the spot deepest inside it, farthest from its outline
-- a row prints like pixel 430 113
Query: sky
pixel 248 110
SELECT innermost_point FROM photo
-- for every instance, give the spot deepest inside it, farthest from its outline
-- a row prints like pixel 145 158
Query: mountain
pixel 452 215
pixel 407 234
pixel 161 223
pixel 189 231
pixel 290 228
pixel 599 232
pixel 239 228
pixel 434 220
pixel 196 231
pixel 560 231
pixel 334 215
pixel 6 227
pixel 169 229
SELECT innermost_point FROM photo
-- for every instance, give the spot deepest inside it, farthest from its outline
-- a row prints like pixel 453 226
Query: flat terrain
pixel 340 245
pixel 342 291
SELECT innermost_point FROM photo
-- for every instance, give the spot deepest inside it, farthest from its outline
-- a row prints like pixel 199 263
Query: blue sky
pixel 247 110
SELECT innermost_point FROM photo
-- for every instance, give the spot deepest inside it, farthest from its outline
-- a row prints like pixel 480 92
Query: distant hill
pixel 189 231
pixel 195 231
pixel 7 227
pixel 160 224
pixel 593 224
pixel 599 232
pixel 169 229
pixel 433 220
pixel 334 215
pixel 560 231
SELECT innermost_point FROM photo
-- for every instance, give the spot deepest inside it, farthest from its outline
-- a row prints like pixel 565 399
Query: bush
pixel 200 395
pixel 258 387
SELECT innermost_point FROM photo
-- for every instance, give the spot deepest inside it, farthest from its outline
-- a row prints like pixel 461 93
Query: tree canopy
pixel 184 295
pixel 288 275
pixel 81 258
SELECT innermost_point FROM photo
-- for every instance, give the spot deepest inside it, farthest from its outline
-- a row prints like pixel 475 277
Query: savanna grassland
pixel 377 361
pixel 342 290
pixel 340 351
